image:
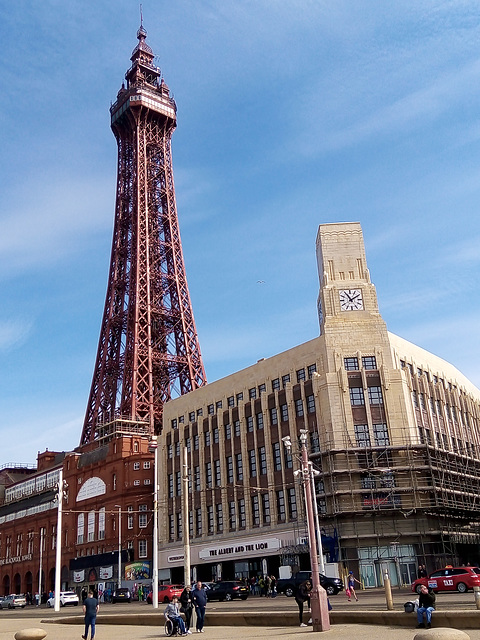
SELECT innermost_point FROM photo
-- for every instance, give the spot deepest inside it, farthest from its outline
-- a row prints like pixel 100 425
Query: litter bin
pixel 409 607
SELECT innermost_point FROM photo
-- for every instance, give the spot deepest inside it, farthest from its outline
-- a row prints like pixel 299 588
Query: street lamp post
pixel 318 596
pixel 58 551
pixel 186 521
pixel 119 545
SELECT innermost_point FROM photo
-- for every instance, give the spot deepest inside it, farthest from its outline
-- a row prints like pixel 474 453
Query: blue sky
pixel 290 114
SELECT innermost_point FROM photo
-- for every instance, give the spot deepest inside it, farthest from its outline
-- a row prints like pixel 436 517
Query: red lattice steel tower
pixel 148 349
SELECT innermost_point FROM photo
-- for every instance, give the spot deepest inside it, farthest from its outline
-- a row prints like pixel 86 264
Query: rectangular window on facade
pixel 288 458
pixel 199 412
pixel 242 519
pixel 218 473
pixel 142 520
pixel 136 466
pixel 356 396
pixel 276 384
pixel 177 448
pixel 210 522
pixel 198 522
pixel 170 485
pixel 218 405
pixel 311 369
pixel 219 515
pixel 314 442
pixel 191 416
pixel 101 524
pixel 415 399
pixel 236 426
pixel 253 463
pixel 350 364
pixel 196 442
pixel 311 404
pixel 216 436
pixel 380 434
pixel 273 415
pixel 375 395
pixel 362 435
pixel 178 483
pixel 170 451
pixel 284 413
pixel 255 511
pixel 210 409
pixel 259 420
pixel 369 362
pixel 300 375
pixel 80 528
pixel 208 475
pixel 130 517
pixel 252 393
pixel 239 464
pixel 230 478
pixel 91 526
pixel 146 464
pixel 189 444
pixel 277 456
pixel 142 548
pixel 232 517
pixel 262 388
pixel 263 461
pixel 292 503
pixel 207 438
pixel 190 524
pixel 249 423
pixel 171 527
pixel 266 508
pixel 196 478
pixel 174 423
pixel 281 512
pixel 239 397
pixel 299 407
pixel 136 483
pixel 285 379
pixel 231 401
pixel 228 432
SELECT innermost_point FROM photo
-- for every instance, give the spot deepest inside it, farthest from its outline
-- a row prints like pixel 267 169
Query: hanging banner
pixel 106 573
pixel 79 576
pixel 137 570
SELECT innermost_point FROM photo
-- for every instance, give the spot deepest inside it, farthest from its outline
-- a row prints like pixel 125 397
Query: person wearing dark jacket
pixel 426 605
pixel 187 605
pixel 199 599
pixel 301 596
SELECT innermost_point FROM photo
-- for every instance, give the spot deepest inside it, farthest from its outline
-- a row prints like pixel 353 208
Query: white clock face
pixel 351 300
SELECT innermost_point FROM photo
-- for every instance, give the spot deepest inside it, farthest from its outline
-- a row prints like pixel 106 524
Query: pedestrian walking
pixel 90 609
pixel 199 599
pixel 350 590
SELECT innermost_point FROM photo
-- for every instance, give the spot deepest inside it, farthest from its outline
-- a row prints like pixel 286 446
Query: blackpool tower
pixel 148 349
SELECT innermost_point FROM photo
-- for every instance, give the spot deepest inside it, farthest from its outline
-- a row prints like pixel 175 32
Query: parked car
pixel 13 602
pixel 122 594
pixel 227 590
pixel 166 593
pixel 66 597
pixel 2 600
pixel 288 586
pixel 450 579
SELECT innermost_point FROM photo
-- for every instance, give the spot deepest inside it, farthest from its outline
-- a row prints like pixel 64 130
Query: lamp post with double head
pixel 318 596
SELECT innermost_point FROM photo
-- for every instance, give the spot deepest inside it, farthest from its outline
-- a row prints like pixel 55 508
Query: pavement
pixel 9 627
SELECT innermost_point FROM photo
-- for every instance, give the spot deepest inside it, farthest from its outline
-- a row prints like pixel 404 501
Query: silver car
pixel 13 602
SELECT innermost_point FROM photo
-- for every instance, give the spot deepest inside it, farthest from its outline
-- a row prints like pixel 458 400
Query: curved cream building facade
pixel 393 431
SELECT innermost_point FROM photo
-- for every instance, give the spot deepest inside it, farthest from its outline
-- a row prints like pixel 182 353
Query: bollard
pixel 388 591
pixel 476 592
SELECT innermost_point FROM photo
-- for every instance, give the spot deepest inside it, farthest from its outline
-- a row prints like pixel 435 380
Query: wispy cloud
pixel 14 333
pixel 46 221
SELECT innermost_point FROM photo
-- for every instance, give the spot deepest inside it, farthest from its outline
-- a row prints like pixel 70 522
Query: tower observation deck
pixel 148 349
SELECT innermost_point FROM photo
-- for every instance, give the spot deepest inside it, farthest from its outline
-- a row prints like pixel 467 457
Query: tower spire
pixel 148 350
